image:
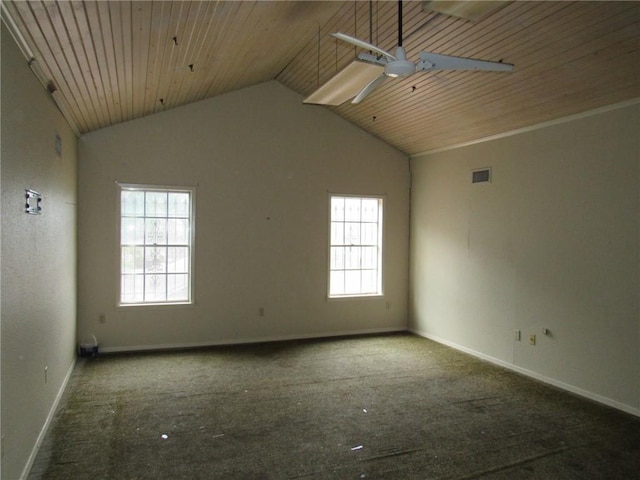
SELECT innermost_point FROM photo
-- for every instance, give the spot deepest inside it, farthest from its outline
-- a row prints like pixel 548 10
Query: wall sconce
pixel 32 197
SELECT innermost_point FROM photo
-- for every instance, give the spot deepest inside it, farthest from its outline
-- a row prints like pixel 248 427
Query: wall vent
pixel 482 175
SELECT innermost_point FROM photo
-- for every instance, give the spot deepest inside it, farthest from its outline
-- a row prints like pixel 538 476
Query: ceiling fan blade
pixel 370 87
pixel 371 58
pixel 435 61
pixel 345 84
pixel 362 44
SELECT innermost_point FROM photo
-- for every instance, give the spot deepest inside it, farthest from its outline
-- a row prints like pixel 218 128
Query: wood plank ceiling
pixel 109 62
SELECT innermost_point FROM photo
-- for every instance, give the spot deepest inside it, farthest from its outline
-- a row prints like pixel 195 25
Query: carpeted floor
pixel 384 407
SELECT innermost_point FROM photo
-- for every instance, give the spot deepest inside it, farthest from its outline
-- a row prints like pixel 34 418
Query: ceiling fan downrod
pixel 400 23
pixel 401 67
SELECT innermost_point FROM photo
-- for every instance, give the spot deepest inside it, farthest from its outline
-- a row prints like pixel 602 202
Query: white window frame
pixel 191 261
pixel 379 290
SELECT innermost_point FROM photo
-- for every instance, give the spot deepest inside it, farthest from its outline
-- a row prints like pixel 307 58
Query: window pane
pixel 132 231
pixel 178 259
pixel 155 260
pixel 156 204
pixel 131 289
pixel 352 233
pixel 337 258
pixel 352 258
pixel 369 257
pixel 369 281
pixel 177 287
pixel 352 282
pixel 132 203
pixel 336 282
pixel 369 234
pixel 370 209
pixel 132 259
pixel 156 231
pixel 352 209
pixel 178 205
pixel 178 231
pixel 155 288
pixel 337 233
pixel 337 208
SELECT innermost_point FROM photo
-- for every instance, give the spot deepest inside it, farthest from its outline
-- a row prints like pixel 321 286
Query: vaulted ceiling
pixel 109 62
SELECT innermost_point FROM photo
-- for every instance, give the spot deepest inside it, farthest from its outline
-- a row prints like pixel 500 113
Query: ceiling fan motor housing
pixel 400 67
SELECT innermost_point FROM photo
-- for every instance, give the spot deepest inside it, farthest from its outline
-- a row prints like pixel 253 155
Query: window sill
pixel 158 306
pixel 355 297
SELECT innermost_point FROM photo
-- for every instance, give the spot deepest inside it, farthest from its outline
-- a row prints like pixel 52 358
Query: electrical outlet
pixel 516 335
pixel 261 311
pixel 532 339
pixel 102 318
pixel 388 304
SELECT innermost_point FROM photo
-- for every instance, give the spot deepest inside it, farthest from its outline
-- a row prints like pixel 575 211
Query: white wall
pixel 38 278
pixel 552 243
pixel 263 164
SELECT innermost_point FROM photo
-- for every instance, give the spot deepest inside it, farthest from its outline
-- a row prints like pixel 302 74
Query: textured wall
pixel 551 243
pixel 263 164
pixel 38 258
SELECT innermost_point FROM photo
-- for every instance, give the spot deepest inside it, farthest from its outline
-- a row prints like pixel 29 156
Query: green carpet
pixel 380 407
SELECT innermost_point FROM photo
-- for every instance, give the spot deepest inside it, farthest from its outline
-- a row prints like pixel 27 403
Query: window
pixel 156 244
pixel 355 264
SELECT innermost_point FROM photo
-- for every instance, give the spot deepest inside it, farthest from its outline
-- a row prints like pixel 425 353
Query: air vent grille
pixel 482 175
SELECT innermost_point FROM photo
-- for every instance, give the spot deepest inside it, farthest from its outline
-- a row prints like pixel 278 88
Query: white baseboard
pixel 529 373
pixel 45 427
pixel 242 341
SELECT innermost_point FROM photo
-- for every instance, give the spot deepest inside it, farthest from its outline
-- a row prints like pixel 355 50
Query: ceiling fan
pixel 370 70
